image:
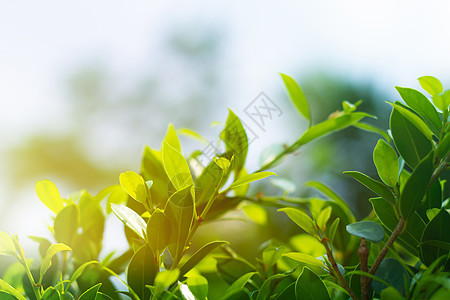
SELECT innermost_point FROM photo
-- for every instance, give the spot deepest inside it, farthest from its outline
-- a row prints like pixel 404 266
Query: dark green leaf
pixel 142 271
pixel 238 285
pixel 444 146
pixel 199 255
pixel 158 231
pixel 310 287
pixel 373 185
pixel 297 96
pixel 7 296
pixel 416 120
pixel 416 187
pixel 437 229
pixel 91 294
pixel 367 229
pixel 269 285
pixel 393 272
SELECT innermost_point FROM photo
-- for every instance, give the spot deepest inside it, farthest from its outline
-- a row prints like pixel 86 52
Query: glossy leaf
pixel 90 294
pixel 367 229
pixel 47 261
pixel 6 244
pixel 422 106
pixel 310 287
pixel 442 100
pixel 323 218
pixel 165 278
pixel 66 224
pixel 436 230
pixel 297 96
pixel 301 219
pixel 431 84
pixel 198 256
pixel 416 187
pixel 373 185
pixel 198 286
pixel 249 179
pixel 410 142
pixel 171 138
pixel 130 218
pixel 158 231
pixel 385 160
pixel 152 168
pixel 176 167
pixel 134 185
pixel 235 139
pixel 142 271
pixel 417 121
pixel 49 195
pixel 304 258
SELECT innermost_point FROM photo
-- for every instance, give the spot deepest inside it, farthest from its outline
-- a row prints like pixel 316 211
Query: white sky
pixel 390 42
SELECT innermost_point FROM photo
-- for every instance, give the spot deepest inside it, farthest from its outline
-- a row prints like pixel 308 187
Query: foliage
pixel 399 251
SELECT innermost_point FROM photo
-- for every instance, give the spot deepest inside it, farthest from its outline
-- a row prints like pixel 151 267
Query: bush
pixel 399 251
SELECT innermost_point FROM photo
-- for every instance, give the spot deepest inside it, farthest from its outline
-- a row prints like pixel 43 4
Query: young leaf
pixel 165 278
pixel 367 229
pixel 238 285
pixel 410 142
pixel 304 258
pixel 333 229
pixel 374 129
pixel 323 218
pixel 198 286
pixel 374 185
pixel 90 294
pixel 385 160
pixel 249 179
pixel 412 117
pixel 134 185
pixel 50 294
pixel 416 187
pixel 6 244
pixel 442 100
pixel 431 84
pixel 130 218
pixel 309 286
pixel 422 106
pixel 47 261
pixel 297 96
pixel 4 286
pixel 66 224
pixel 49 195
pixel 199 255
pixel 142 271
pixel 176 167
pixel 235 139
pixel 171 138
pixel 257 213
pixel 301 219
pixel 158 231
pixel 78 272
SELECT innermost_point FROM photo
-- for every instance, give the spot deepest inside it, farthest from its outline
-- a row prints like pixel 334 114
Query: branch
pixel 363 253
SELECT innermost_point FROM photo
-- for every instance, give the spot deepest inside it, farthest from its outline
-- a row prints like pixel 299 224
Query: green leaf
pixel 134 185
pixel 152 169
pixel 393 272
pixel 171 138
pixel 49 195
pixel 416 187
pixel 272 253
pixel 329 126
pixel 410 142
pixel 47 261
pixel 304 258
pixel 432 212
pixel 235 139
pixel 193 134
pixel 417 121
pixel 165 278
pixel 4 286
pixel 78 272
pixel 297 96
pixel 301 219
pixel 180 211
pixel 270 284
pixel 51 294
pixel 7 296
pixel 238 285
pixel 249 179
pixel 444 146
pixel 6 244
pixel 367 229
pixel 66 224
pixel 205 184
pixel 176 167
pixel 130 218
pixel 142 271
pixel 198 286
pixel 374 129
pixel 436 230
pixel 310 287
pixel 90 294
pixel 158 231
pixel 373 185
pixel 231 268
pixel 390 293
pixel 431 84
pixel 257 213
pixel 422 106
pixel 385 160
pixel 442 100
pixel 323 218
pixel 199 255
pixel 333 229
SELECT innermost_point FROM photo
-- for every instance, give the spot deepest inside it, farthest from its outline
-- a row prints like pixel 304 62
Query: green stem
pixel 286 151
pixel 36 291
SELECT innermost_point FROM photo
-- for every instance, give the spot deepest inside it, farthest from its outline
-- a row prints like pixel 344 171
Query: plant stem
pixel 36 292
pixel 363 253
pixel 439 170
pixel 341 279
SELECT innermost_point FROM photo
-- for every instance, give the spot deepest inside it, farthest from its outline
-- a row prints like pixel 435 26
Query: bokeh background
pixel 85 85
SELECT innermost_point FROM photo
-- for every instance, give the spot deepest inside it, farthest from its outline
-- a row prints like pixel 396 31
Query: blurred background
pixel 85 85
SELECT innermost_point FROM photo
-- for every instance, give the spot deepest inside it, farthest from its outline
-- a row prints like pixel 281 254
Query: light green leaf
pixel 66 224
pixel 304 258
pixel 442 100
pixel 390 293
pixel 249 179
pixel 374 185
pixel 158 231
pixel 386 162
pixel 238 285
pixel 6 244
pixel 306 243
pixel 199 255
pixel 431 84
pixel 171 138
pixel 309 286
pixel 297 96
pixel 49 195
pixel 432 212
pixel 301 219
pixel 257 213
pixel 370 128
pixel 191 133
pixel 90 294
pixel 272 253
pixel 52 294
pixel 236 141
pixel 176 167
pixel 198 286
pixel 47 261
pixel 134 185
pixel 416 187
pixel 4 286
pixel 367 229
pixel 323 218
pixel 165 278
pixel 78 272
pixel 333 229
pixel 130 218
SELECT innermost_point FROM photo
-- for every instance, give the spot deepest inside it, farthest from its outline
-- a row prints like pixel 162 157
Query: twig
pixel 363 253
